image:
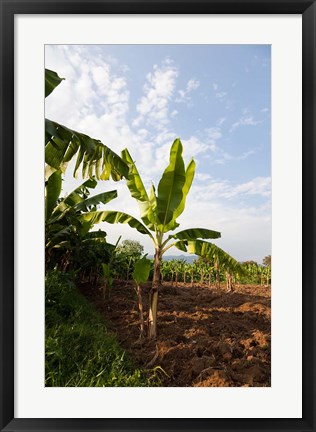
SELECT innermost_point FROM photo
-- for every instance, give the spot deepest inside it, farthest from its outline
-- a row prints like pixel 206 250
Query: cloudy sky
pixel 215 98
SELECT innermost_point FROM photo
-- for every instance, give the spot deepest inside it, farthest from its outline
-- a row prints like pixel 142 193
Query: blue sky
pixel 215 98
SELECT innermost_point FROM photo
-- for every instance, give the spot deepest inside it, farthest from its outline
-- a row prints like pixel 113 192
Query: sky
pixel 215 98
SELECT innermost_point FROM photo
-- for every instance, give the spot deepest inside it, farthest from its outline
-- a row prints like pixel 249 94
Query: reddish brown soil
pixel 205 338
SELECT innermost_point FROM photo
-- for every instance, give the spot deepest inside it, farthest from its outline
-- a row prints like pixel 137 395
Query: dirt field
pixel 205 338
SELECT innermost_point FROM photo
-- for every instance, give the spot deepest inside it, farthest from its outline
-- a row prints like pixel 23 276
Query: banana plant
pixel 193 271
pixel 107 280
pixel 176 266
pixel 186 271
pixel 253 271
pixel 61 214
pixel 212 252
pixel 165 270
pixel 63 144
pixel 202 269
pixel 159 210
pixel 141 275
pixel 266 271
pixel 180 264
pixel 64 230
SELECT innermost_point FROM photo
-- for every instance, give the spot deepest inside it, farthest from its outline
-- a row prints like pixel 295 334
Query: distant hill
pixel 187 258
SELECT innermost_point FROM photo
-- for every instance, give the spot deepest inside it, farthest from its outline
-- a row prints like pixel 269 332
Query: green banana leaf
pixel 134 181
pixel 189 176
pixel 52 80
pixel 211 251
pixel 75 197
pixel 102 198
pixel 113 217
pixel 170 187
pixel 196 233
pixel 77 200
pixel 94 235
pixel 59 234
pixel 138 191
pixel 82 228
pixel 141 270
pixel 62 144
pixel 53 189
pixel 152 209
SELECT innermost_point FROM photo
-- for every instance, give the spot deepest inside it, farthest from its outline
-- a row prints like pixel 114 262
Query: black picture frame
pixel 8 9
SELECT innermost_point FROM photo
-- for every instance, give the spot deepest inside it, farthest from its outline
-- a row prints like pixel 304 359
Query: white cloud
pixel 224 157
pixel 93 98
pixel 193 84
pixel 184 95
pixel 220 95
pixel 153 107
pixel 246 120
pixel 215 86
pixel 202 177
pixel 143 133
pixel 260 186
pixel 213 133
pixel 194 146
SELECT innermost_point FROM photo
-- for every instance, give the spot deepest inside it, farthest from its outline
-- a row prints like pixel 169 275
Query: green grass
pixel 79 349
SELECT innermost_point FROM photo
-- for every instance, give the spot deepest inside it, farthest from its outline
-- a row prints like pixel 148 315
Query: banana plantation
pixel 204 271
pixel 116 316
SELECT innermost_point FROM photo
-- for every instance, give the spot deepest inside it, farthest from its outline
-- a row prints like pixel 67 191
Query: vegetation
pixel 80 352
pixel 70 245
pixel 125 257
pixel 267 261
pixel 207 270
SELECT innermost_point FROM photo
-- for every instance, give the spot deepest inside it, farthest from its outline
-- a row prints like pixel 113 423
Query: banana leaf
pixel 113 217
pixel 170 187
pixel 52 80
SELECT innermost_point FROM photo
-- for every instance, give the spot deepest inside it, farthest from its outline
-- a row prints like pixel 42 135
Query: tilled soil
pixel 206 338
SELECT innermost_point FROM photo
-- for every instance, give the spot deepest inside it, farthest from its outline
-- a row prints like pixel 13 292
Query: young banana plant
pixel 159 210
pixel 141 275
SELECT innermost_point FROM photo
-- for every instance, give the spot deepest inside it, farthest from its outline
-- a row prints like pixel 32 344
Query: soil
pixel 205 337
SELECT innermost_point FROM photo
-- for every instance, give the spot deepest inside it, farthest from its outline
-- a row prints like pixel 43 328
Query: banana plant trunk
pixel 153 296
pixel 140 309
pixel 218 276
pixel 229 282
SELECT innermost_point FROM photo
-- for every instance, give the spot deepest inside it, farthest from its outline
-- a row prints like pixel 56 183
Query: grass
pixel 80 352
